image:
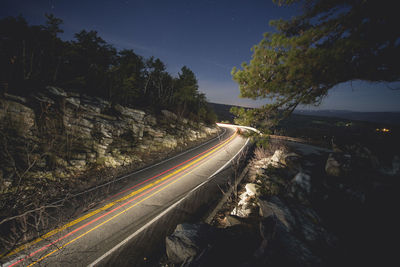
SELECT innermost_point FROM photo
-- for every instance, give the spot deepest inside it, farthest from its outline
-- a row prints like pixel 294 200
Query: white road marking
pixel 228 162
pixel 123 242
pixel 122 177
pixel 141 170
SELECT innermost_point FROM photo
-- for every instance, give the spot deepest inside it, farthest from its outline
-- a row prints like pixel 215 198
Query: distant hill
pixel 378 117
pixel 222 111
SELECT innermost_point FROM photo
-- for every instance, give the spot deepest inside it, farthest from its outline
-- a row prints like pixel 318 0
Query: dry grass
pixel 262 152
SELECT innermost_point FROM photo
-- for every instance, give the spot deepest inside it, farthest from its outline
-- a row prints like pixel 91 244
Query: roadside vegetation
pixel 75 116
pixel 330 43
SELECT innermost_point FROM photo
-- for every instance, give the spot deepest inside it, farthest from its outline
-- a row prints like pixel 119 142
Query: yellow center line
pixel 125 210
pixel 92 213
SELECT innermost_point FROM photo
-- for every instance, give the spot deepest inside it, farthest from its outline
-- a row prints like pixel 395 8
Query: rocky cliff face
pixel 55 136
pixel 300 205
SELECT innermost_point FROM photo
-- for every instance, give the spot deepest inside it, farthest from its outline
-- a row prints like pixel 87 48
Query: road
pixel 101 236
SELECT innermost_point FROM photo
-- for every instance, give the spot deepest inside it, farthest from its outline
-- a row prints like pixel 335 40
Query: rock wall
pixel 56 135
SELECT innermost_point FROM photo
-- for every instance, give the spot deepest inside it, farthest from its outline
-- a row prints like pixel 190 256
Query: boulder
pixel 106 141
pixel 44 99
pixel 276 160
pixel 278 157
pixel 262 163
pixel 170 142
pixel 154 132
pixel 83 123
pixel 245 207
pixel 210 246
pixel 73 101
pixel 301 186
pixel 56 91
pixel 99 149
pixel 186 242
pixel 232 220
pixel 136 115
pixel 90 107
pixel 338 164
pixel 143 147
pixel 274 206
pixel 252 189
pixel 150 120
pixel 298 219
pixel 102 130
pixel 192 135
pixel 169 115
pixel 242 211
pixel 209 130
pixel 282 248
pixel 137 130
pixel 292 162
pixel 77 163
pixel 16 116
pixel 394 169
pixel 108 161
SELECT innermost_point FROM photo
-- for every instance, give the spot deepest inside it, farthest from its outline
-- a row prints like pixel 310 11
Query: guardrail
pixel 278 137
pixel 239 126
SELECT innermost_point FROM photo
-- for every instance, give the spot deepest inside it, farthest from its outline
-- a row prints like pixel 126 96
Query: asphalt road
pixel 99 236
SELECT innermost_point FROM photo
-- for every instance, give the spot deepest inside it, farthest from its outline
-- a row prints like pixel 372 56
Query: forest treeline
pixel 33 56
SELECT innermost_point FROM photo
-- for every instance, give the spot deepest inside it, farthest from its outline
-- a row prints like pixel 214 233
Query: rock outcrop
pixel 308 207
pixel 203 245
pixel 186 242
pixel 338 164
pixel 55 135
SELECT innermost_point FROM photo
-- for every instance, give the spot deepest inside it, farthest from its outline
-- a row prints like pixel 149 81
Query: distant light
pixel 385 130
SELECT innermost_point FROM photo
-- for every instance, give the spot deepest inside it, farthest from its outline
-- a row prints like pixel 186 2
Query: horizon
pixel 316 110
pixel 209 37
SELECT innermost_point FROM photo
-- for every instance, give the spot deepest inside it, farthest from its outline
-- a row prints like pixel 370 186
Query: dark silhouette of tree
pixel 56 47
pixel 127 78
pixel 32 57
pixel 187 89
pixel 189 100
pixel 90 62
pixel 28 54
pixel 155 73
pixel 53 25
pixel 331 42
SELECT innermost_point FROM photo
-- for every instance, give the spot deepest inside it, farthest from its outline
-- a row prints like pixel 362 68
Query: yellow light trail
pixel 137 203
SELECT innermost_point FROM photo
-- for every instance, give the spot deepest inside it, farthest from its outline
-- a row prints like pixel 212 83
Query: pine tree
pixel 331 42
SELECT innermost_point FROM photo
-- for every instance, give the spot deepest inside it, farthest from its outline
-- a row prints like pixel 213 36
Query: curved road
pixel 99 234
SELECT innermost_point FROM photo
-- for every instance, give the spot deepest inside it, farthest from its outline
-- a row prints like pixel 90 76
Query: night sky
pixel 210 37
